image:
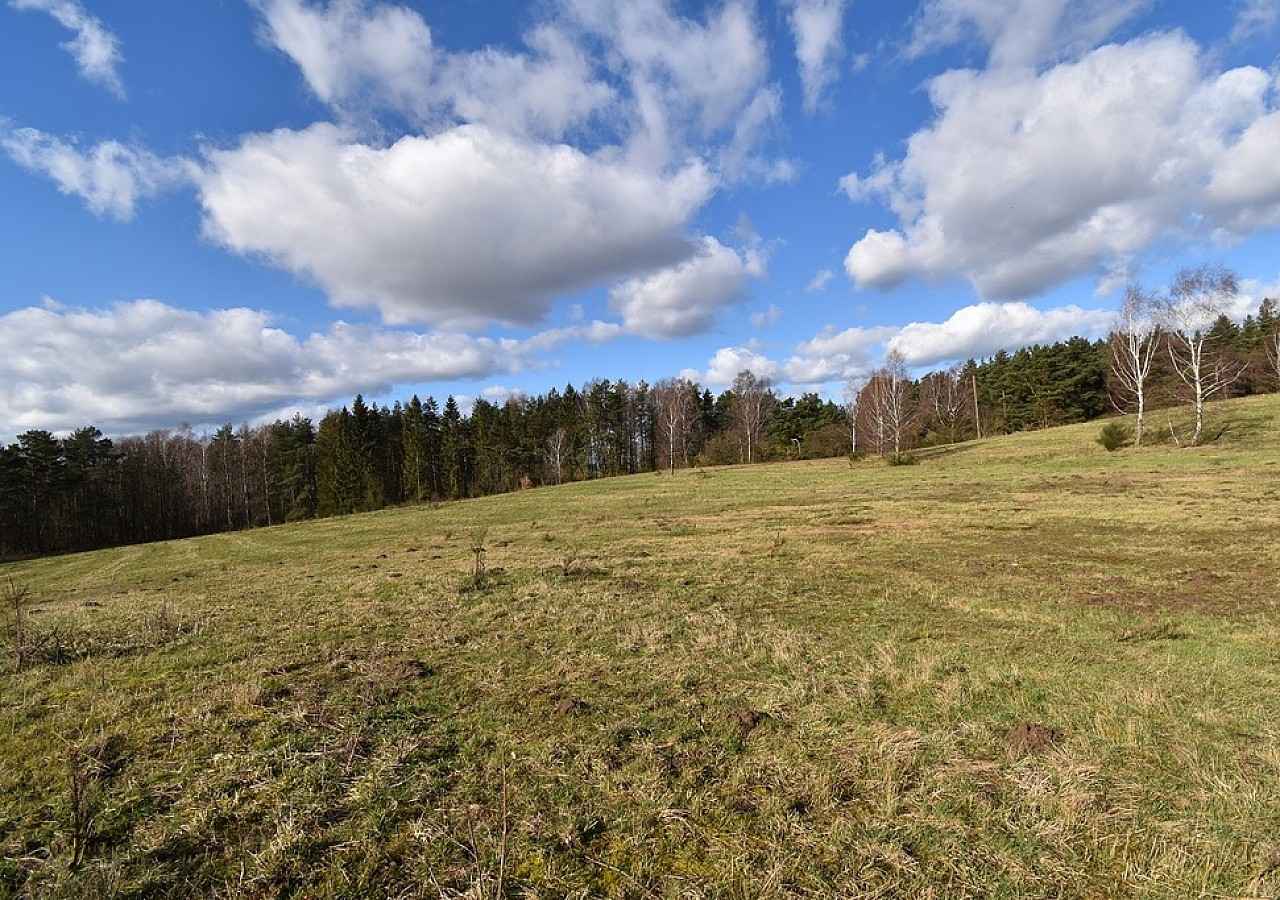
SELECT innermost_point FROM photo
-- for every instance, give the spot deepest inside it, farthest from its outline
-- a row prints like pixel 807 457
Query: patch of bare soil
pixel 1031 737
pixel 747 720
pixel 572 706
pixel 1241 593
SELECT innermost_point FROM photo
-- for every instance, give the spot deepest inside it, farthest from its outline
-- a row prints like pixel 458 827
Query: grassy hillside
pixel 795 679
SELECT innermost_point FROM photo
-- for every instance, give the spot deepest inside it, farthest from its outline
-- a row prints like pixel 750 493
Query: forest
pixel 85 490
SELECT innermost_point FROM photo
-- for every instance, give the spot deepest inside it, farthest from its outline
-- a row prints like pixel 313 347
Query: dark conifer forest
pixel 84 490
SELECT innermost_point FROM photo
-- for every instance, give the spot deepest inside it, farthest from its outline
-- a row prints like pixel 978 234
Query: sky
pixel 233 210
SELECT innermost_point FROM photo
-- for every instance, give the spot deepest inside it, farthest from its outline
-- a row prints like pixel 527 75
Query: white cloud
pixel 95 49
pixel 766 317
pixel 355 53
pixel 146 364
pixel 836 355
pixel 493 210
pixel 1021 32
pixel 350 50
pixel 688 80
pixel 975 331
pixel 492 207
pixel 984 328
pixel 547 93
pixel 819 281
pixel 461 228
pixel 816 27
pixel 660 84
pixel 684 299
pixel 1253 18
pixel 110 177
pixel 1026 179
pixel 1244 189
pixel 727 362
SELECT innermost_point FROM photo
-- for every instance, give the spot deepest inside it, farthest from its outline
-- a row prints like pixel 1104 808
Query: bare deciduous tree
pixel 946 400
pixel 1273 354
pixel 556 444
pixel 674 400
pixel 888 394
pixel 852 396
pixel 751 398
pixel 1133 347
pixel 1198 296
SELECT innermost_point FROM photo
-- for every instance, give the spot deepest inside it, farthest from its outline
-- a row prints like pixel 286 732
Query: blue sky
pixel 226 210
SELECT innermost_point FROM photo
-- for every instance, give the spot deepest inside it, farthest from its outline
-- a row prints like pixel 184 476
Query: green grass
pixel 783 680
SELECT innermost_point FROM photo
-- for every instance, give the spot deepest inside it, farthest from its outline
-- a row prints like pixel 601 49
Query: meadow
pixel 1023 666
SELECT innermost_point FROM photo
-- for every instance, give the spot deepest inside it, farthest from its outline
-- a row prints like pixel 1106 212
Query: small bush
pixel 1114 436
pixel 902 459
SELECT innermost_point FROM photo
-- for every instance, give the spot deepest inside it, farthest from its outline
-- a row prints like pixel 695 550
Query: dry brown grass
pixel 790 680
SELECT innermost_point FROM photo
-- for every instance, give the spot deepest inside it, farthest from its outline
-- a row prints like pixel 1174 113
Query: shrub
pixel 720 450
pixel 902 459
pixel 828 441
pixel 1113 436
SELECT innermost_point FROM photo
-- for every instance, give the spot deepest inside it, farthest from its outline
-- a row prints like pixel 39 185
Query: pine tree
pixel 452 450
pixel 414 440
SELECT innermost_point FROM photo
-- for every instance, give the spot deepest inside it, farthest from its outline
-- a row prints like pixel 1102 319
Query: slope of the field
pixel 795 679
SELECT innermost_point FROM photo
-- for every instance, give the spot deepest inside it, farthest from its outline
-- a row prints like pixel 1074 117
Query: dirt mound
pixel 1031 737
pixel 747 720
pixel 572 706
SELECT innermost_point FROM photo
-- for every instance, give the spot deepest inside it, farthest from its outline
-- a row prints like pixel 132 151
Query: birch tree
pixel 1273 354
pixel 1133 348
pixel 946 400
pixel 674 400
pixel 894 399
pixel 555 452
pixel 887 397
pixel 751 397
pixel 1198 297
pixel 852 397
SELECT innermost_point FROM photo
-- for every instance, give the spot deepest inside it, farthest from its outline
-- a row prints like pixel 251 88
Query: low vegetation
pixel 1023 666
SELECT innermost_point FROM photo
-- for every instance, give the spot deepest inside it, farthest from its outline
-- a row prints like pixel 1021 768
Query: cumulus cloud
pixel 493 210
pixel 687 80
pixel 353 54
pixel 975 331
pixel 500 199
pixel 349 50
pixel 146 364
pixel 660 83
pixel 95 49
pixel 461 228
pixel 1021 32
pixel 836 355
pixel 548 91
pixel 727 362
pixel 816 27
pixel 984 328
pixel 110 177
pixel 684 299
pixel 1157 144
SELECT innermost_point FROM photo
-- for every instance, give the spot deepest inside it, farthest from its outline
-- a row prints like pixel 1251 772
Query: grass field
pixel 800 679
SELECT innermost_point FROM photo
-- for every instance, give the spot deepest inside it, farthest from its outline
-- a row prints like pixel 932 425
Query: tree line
pixel 84 490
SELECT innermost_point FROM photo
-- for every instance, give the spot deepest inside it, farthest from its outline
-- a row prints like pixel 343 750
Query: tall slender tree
pixel 1197 299
pixel 1133 349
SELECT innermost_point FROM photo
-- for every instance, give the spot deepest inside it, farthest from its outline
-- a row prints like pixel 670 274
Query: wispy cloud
pixel 95 48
